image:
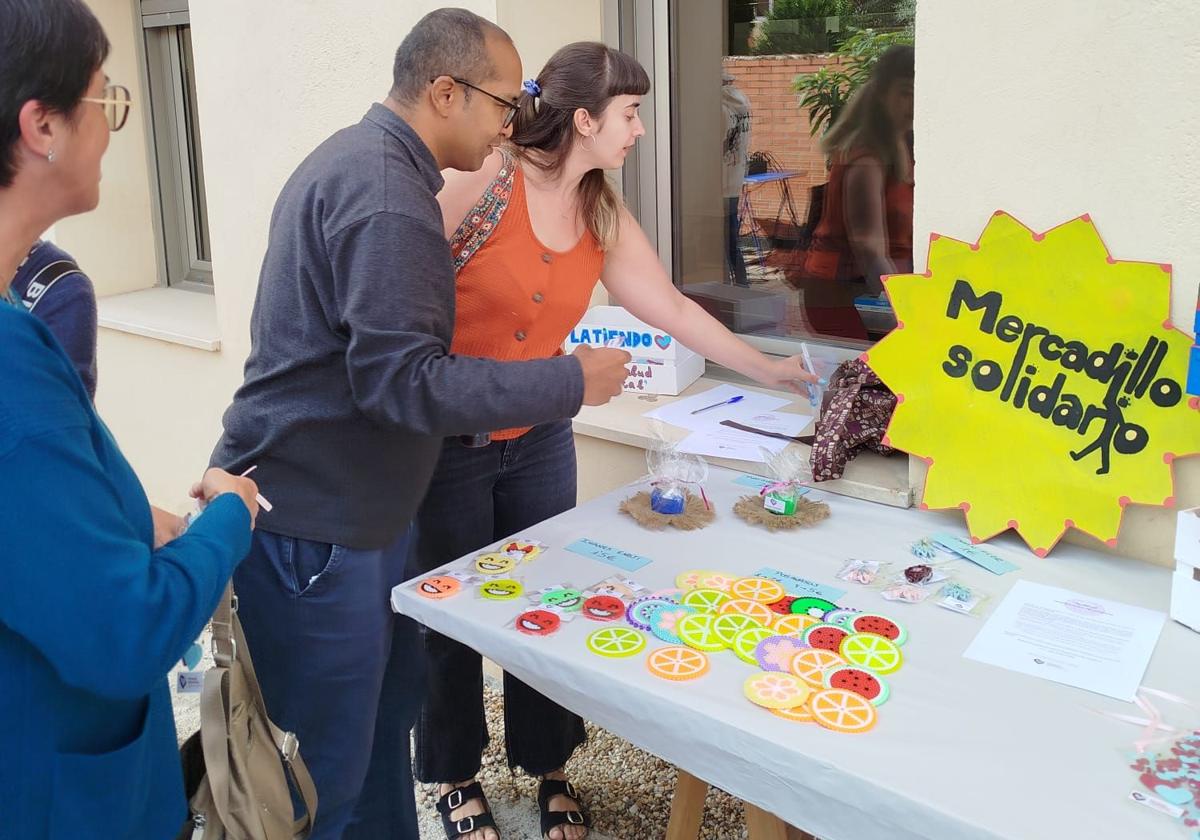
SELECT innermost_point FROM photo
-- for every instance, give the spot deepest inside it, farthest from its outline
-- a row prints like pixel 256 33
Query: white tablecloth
pixel 962 750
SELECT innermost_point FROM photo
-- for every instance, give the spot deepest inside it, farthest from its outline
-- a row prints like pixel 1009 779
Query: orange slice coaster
pixel 677 663
pixel 773 690
pixel 759 612
pixel 799 714
pixel 810 665
pixel 842 711
pixel 794 624
pixel 875 653
pixel 757 589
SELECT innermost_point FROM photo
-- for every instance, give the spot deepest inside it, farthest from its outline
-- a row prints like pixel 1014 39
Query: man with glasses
pixel 349 389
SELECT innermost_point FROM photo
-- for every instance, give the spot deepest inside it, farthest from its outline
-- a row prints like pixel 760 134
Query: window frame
pixel 178 198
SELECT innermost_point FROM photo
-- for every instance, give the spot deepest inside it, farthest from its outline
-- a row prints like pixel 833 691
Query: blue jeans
pixel 342 671
pixel 478 496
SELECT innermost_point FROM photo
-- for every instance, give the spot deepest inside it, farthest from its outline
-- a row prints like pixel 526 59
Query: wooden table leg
pixel 761 825
pixel 687 807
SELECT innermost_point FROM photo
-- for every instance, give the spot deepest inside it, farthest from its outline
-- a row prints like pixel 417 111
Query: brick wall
pixel 778 126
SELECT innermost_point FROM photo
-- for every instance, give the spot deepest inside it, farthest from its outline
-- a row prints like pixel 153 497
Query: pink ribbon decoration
pixel 1152 724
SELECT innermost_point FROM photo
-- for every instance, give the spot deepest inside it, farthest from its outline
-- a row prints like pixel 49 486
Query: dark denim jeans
pixel 479 496
pixel 342 671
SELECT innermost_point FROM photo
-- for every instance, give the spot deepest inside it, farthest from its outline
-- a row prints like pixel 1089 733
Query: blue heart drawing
pixel 1176 796
pixel 663 341
pixel 191 657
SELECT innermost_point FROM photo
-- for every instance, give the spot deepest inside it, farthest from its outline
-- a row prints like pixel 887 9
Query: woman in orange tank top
pixel 532 233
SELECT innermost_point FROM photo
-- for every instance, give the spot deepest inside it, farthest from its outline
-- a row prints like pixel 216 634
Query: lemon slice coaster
pixel 616 642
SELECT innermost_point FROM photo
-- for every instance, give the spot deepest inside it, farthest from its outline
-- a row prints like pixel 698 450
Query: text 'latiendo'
pixel 1129 374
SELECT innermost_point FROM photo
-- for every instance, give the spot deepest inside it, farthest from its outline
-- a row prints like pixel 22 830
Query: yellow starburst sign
pixel 1040 379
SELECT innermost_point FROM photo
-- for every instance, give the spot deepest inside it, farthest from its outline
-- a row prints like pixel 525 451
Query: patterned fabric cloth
pixel 855 418
pixel 485 215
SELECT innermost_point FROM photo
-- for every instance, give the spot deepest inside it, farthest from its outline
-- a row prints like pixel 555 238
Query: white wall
pixel 1050 110
pixel 273 80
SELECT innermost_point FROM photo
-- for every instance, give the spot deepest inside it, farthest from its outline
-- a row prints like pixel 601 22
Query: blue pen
pixel 729 401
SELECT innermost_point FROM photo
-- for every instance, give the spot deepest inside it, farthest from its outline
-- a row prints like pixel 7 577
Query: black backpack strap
pixel 38 287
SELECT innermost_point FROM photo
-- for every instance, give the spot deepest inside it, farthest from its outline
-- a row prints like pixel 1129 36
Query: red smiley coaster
pixel 604 608
pixel 537 622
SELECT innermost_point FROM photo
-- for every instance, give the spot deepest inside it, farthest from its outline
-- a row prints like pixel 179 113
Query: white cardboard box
pixel 661 365
pixel 1185 585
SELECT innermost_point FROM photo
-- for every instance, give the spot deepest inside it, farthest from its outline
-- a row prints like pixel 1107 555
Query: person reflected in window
pixel 735 108
pixel 865 229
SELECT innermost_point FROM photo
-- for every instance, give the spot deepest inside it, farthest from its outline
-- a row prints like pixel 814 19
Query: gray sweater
pixel 350 386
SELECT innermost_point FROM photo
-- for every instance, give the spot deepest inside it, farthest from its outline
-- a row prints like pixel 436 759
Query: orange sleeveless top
pixel 830 256
pixel 516 299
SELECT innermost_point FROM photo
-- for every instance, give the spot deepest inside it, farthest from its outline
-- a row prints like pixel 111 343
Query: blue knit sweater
pixel 91 617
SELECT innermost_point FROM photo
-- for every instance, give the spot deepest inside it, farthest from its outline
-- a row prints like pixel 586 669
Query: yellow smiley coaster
pixel 495 564
pixel 774 690
pixel 504 589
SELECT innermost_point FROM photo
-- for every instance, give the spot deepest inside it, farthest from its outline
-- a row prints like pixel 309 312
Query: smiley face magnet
pixel 495 564
pixel 438 588
pixel 565 599
pixel 538 622
pixel 604 608
pixel 504 589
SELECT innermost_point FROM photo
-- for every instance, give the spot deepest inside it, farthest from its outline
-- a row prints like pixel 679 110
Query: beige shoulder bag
pixel 237 768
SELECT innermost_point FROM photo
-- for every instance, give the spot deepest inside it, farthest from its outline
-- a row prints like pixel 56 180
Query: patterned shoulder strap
pixel 485 215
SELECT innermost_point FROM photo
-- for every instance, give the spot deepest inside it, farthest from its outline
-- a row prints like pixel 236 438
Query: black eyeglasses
pixel 510 109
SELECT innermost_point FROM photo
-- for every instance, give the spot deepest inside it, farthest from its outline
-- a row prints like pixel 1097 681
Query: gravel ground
pixel 627 791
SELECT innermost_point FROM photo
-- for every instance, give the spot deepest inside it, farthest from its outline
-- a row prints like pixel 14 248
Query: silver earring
pixel 50 156
pixel 588 137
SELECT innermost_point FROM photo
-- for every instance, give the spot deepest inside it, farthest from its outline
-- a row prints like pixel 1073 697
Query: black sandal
pixel 547 790
pixel 456 799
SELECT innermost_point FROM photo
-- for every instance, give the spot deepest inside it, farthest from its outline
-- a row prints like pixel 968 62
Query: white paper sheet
pixel 724 442
pixel 1070 638
pixel 679 413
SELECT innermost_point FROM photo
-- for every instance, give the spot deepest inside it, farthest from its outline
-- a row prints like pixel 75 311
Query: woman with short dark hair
pixel 92 617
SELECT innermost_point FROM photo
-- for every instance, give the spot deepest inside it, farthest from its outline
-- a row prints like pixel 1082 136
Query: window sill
pixel 869 477
pixel 173 315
